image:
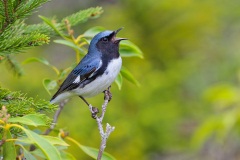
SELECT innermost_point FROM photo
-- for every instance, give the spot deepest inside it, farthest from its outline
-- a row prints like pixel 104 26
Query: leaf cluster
pixel 18 104
pixel 14 36
pixel 48 147
pixel 225 120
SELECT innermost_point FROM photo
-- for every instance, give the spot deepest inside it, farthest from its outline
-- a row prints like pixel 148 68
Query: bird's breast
pixel 102 82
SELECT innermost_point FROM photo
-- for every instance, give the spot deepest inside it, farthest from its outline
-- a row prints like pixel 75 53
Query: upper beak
pixel 118 39
pixel 118 30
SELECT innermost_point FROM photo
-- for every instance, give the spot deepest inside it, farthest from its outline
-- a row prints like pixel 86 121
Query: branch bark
pixel 55 118
pixel 109 129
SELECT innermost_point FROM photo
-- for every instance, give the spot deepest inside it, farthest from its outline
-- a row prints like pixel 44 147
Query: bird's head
pixel 106 41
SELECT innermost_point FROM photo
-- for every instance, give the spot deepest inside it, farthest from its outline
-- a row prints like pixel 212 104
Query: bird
pixel 96 71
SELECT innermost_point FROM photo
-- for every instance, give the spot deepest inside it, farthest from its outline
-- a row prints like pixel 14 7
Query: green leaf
pixel 28 155
pixel 83 15
pixel 39 153
pixel 93 152
pixel 14 65
pixel 66 71
pixel 9 151
pixel 223 95
pixel 69 44
pixel 49 85
pixel 52 25
pixel 93 31
pixel 30 119
pixel 210 126
pixel 41 60
pixel 35 59
pixel 55 140
pixel 46 147
pixel 129 49
pixel 126 74
pixel 51 139
pixel 64 155
pixel 118 81
pixel 67 156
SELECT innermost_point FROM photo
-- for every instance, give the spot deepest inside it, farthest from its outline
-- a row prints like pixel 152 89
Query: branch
pixel 55 118
pixel 109 128
pixel 5 3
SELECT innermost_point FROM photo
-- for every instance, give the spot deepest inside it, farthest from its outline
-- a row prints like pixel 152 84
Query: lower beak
pixel 120 39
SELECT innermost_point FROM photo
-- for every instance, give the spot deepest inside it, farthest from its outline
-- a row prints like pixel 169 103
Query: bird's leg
pixel 94 110
pixel 84 100
pixel 107 94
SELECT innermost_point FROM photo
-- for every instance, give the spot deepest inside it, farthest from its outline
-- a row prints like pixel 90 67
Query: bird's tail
pixel 57 98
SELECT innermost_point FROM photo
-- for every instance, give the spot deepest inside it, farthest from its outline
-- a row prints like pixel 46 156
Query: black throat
pixel 109 52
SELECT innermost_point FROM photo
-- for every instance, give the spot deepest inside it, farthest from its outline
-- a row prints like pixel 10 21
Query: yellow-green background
pixel 190 73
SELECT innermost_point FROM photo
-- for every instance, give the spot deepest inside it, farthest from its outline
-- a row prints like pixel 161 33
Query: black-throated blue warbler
pixel 96 71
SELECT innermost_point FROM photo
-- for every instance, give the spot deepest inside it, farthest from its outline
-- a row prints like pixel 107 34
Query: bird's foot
pixel 94 112
pixel 107 94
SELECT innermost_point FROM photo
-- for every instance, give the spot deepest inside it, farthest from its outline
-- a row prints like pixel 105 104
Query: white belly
pixel 103 82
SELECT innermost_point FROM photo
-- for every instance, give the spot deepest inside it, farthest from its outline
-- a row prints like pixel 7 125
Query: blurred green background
pixel 187 106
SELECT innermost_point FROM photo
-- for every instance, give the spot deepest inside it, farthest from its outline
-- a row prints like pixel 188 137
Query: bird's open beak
pixel 116 40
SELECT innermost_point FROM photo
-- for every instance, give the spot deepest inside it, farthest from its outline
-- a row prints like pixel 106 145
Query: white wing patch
pixel 77 80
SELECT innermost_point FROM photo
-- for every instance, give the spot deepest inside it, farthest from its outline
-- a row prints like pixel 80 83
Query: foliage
pixel 16 36
pixel 226 117
pixel 18 104
pixel 47 145
pixel 21 117
pixel 12 26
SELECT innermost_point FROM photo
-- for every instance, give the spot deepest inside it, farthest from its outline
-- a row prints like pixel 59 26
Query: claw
pixel 95 111
pixel 107 94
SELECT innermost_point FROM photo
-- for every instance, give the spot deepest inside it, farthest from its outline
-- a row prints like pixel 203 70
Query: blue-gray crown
pixel 96 38
pixel 100 35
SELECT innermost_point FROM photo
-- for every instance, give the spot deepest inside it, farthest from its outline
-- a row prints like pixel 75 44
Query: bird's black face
pixel 109 44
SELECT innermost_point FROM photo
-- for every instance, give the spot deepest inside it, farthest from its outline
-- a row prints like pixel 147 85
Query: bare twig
pixel 109 129
pixel 55 118
pixel 2 142
pixel 5 3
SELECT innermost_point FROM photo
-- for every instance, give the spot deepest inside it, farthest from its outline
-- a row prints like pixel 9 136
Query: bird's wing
pixel 84 70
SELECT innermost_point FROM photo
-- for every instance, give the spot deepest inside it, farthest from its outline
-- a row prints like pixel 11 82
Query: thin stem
pixel 2 142
pixel 55 118
pixel 5 3
pixel 77 56
pixel 109 129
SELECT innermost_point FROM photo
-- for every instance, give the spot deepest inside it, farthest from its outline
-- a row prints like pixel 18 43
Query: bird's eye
pixel 104 39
